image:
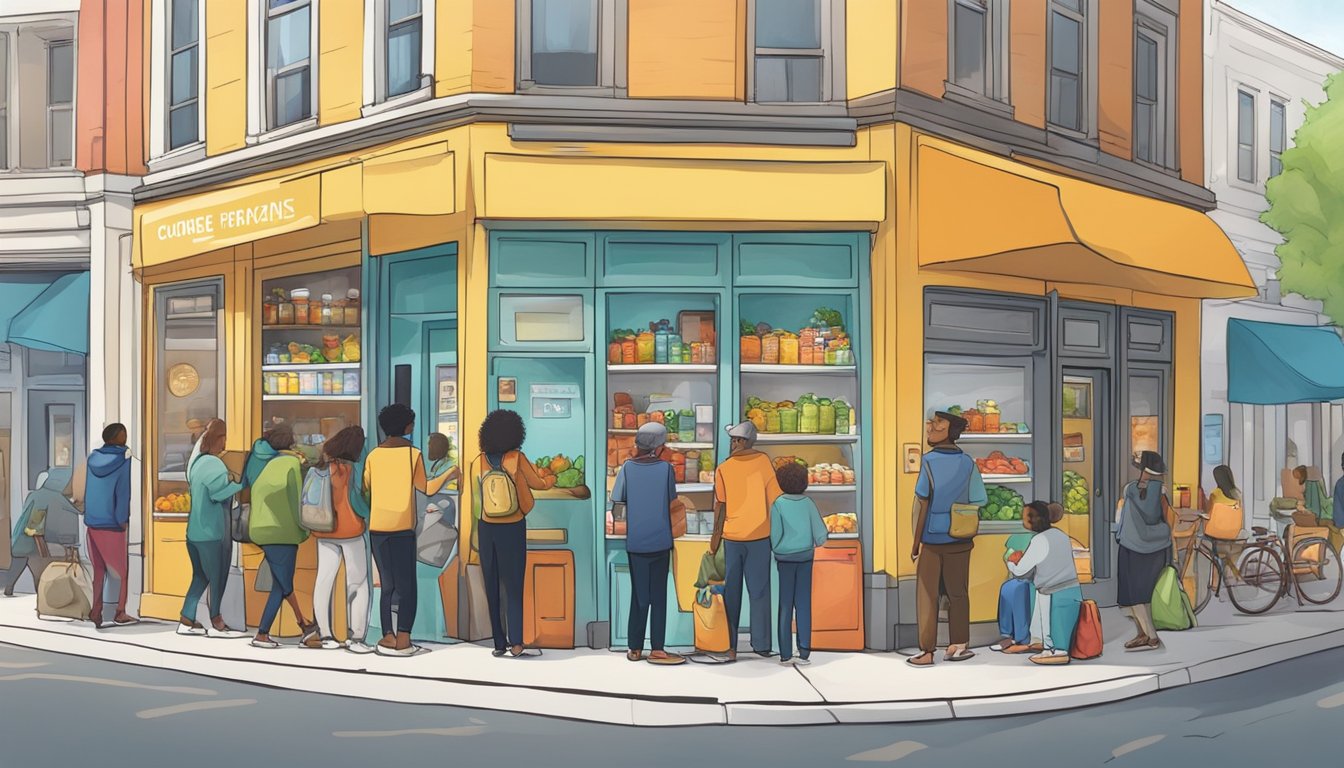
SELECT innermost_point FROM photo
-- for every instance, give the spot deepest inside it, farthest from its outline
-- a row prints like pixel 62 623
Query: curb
pixel 644 711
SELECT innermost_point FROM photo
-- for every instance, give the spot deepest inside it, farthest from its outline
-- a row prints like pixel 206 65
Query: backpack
pixel 499 496
pixel 316 512
pixel 1171 606
pixel 1087 635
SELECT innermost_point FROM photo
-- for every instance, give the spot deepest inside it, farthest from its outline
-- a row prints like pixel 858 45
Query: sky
pixel 1319 22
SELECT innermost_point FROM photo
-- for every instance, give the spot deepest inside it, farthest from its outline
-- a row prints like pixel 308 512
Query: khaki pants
pixel 946 569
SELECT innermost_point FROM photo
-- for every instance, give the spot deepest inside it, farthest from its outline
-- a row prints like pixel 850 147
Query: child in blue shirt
pixel 796 530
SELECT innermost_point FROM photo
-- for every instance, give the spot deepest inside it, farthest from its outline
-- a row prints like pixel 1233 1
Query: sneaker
pixel 123 620
pixel 224 633
pixel 498 653
pixel 268 644
pixel 193 629
pixel 786 661
pixel 1053 657
pixel 801 661
pixel 383 650
pixel 355 646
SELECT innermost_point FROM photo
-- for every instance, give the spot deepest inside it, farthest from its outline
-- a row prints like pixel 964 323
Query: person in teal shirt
pixel 208 542
pixel 796 530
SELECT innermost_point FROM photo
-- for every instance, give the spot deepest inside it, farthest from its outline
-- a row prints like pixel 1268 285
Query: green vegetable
pixel 829 317
pixel 578 463
pixel 570 478
pixel 544 461
pixel 317 357
pixel 747 328
pixel 955 410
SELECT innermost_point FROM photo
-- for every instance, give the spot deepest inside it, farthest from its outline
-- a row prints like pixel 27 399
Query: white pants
pixel 1040 620
pixel 355 553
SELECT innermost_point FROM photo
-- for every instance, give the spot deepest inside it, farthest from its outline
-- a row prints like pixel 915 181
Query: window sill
pixel 178 157
pixel 571 90
pixel 282 132
pixel 1174 173
pixel 424 93
pixel 960 95
pixel 1082 137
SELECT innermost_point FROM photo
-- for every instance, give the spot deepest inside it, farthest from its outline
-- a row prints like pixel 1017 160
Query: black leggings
pixel 394 554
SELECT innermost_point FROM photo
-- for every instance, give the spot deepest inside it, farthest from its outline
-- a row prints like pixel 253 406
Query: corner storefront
pixel 1062 319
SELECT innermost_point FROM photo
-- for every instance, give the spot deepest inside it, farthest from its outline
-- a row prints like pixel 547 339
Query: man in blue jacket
pixel 107 512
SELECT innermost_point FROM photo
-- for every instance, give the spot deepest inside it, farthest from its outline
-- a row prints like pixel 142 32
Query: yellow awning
pixel 978 212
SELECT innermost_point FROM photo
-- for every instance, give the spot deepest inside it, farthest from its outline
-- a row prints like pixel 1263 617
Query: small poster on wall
pixel 1074 452
pixel 507 389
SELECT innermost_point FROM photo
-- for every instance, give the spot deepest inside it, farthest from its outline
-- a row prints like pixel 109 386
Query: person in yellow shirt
pixel 744 489
pixel 393 472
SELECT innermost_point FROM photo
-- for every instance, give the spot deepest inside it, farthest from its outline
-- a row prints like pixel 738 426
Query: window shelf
pixel 313 398
pixel 663 368
pixel 801 438
pixel 302 327
pixel 311 367
pixel 987 437
pixel 795 370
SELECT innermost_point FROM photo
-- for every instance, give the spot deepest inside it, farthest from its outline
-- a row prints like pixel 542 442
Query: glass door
pixel 1087 483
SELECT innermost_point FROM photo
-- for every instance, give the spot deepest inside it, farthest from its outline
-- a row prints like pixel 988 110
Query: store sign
pixel 220 219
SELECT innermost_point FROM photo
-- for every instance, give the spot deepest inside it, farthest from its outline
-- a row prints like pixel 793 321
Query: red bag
pixel 1087 636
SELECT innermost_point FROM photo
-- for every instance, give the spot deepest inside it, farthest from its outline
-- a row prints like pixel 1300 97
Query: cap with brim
pixel 952 418
pixel 745 430
pixel 651 435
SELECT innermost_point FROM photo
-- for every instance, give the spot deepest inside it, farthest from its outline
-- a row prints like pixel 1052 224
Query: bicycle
pixel 1264 570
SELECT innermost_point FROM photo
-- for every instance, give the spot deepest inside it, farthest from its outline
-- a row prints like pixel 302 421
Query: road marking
pixel 464 730
pixel 1330 702
pixel 22 664
pixel 888 754
pixel 107 681
pixel 476 720
pixel 195 706
pixel 1136 745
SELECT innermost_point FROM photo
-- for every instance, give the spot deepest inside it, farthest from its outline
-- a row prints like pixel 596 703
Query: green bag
pixel 1172 611
pixel 712 570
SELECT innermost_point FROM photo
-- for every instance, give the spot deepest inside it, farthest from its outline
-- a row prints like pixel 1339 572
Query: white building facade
pixel 1257 81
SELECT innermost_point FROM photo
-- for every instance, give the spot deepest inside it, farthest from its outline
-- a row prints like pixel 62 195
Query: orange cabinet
pixel 548 599
pixel 837 597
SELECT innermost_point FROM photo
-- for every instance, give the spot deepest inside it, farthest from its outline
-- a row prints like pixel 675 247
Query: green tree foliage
pixel 1306 204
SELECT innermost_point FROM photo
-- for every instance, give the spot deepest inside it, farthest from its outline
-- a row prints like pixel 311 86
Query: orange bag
pixel 751 349
pixel 711 625
pixel 1087 635
pixel 1224 521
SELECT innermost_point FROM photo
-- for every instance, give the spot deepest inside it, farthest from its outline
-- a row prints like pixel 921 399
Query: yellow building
pixel 508 188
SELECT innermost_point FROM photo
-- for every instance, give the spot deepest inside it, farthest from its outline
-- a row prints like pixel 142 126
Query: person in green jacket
pixel 208 542
pixel 274 526
pixel 48 517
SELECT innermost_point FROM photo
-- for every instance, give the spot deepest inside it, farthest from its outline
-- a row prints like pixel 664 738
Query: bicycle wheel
pixel 1317 571
pixel 1206 574
pixel 1258 582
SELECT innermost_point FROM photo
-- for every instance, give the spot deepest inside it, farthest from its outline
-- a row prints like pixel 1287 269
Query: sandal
pixel 1141 640
pixel 634 655
pixel 914 661
pixel 961 655
pixel 665 659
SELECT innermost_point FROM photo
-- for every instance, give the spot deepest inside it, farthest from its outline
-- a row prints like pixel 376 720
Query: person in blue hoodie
pixel 107 513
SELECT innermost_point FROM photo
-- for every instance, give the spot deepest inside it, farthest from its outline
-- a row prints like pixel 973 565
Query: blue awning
pixel 1279 364
pixel 49 312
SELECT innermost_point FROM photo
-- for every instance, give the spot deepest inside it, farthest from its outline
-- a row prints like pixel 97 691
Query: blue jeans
pixel 795 605
pixel 1057 616
pixel 209 570
pixel 749 560
pixel 504 563
pixel 1015 610
pixel 648 582
pixel 280 558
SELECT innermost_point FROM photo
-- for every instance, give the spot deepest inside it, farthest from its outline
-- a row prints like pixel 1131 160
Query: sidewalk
pixel 601 686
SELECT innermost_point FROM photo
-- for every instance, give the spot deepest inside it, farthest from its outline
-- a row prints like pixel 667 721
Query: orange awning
pixel 982 213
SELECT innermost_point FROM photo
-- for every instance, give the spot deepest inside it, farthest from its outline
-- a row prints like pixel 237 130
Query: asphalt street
pixel 66 710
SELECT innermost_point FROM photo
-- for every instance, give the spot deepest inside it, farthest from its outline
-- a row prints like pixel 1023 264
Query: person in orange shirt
pixel 343 455
pixel 744 489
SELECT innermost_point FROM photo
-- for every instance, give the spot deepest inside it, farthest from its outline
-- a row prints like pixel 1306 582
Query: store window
pixel 290 87
pixel 1154 84
pixel 1068 64
pixel 184 73
pixel 1278 135
pixel 1147 409
pixel 524 319
pixel 570 44
pixel 793 50
pixel 1246 136
pixel 978 48
pixel 189 386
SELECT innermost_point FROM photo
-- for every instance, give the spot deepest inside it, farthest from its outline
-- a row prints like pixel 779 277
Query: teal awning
pixel 1279 364
pixel 48 312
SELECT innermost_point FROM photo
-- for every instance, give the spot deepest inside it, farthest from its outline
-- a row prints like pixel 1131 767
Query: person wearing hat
pixel 745 487
pixel 946 477
pixel 1145 543
pixel 1048 564
pixel 648 488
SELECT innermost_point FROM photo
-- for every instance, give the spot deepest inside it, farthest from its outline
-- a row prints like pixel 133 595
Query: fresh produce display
pixel 986 418
pixel 661 344
pixel 334 349
pixel 785 460
pixel 843 522
pixel 173 502
pixel 1075 493
pixel 997 463
pixel 822 341
pixel 830 474
pixel 567 473
pixel 1003 504
pixel 809 415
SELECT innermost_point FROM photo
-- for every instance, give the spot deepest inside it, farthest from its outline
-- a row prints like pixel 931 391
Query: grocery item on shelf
pixel 750 344
pixel 1003 504
pixel 822 341
pixel 567 473
pixel 842 522
pixel 830 474
pixel 986 419
pixel 1076 500
pixel 998 463
pixel 782 461
pixel 808 415
pixel 173 502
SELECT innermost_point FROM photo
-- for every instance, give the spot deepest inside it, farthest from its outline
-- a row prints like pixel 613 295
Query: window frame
pixel 1161 26
pixel 309 63
pixel 160 156
pixel 1276 155
pixel 53 108
pixel 1244 94
pixel 612 45
pixel 831 54
pixel 996 54
pixel 5 153
pixel 376 99
pixel 1087 78
pixel 258 86
pixel 169 52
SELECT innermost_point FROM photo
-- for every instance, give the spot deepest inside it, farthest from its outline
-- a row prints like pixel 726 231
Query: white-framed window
pixel 61 103
pixel 1070 50
pixel 183 86
pixel 1245 136
pixel 978 48
pixel 37 94
pixel 1278 135
pixel 572 45
pixel 289 42
pixel 4 100
pixel 795 47
pixel 398 51
pixel 1154 84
